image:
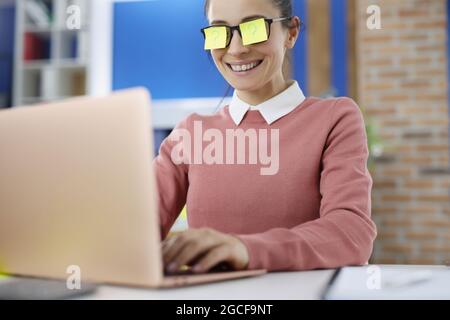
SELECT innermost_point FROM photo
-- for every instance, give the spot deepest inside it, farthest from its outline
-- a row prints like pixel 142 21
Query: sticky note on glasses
pixel 254 32
pixel 215 38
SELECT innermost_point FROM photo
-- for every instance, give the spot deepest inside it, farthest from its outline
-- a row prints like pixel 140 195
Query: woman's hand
pixel 203 249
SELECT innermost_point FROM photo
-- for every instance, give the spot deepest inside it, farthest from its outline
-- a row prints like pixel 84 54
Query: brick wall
pixel 402 88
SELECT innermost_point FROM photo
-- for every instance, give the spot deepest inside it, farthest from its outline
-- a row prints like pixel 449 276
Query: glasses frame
pixel 231 29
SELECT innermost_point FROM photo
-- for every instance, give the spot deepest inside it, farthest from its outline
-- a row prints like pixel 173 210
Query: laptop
pixel 77 192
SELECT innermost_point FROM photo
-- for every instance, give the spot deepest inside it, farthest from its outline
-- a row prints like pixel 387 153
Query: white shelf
pixel 63 63
pixel 37 29
pixel 77 62
pixel 33 100
pixel 43 30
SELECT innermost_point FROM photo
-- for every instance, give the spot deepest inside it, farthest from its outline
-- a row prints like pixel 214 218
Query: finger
pixel 168 242
pixel 174 248
pixel 187 237
pixel 192 252
pixel 212 258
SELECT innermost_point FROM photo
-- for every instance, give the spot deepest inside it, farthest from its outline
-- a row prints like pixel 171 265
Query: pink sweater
pixel 312 212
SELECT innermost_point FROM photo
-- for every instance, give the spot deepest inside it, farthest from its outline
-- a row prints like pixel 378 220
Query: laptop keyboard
pixel 187 270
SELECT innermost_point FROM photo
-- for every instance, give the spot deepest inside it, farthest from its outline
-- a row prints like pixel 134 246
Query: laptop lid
pixel 77 190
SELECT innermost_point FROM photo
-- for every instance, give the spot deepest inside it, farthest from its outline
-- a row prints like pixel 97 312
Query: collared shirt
pixel 272 109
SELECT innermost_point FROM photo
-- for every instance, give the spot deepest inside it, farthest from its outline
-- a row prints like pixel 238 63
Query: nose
pixel 236 47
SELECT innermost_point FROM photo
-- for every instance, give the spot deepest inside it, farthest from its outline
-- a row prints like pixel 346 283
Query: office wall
pixel 403 85
pixel 7 20
pixel 158 44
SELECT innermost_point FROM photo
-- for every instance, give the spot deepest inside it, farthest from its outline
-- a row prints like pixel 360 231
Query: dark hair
pixel 285 7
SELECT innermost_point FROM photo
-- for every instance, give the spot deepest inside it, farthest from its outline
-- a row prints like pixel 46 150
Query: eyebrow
pixel 243 20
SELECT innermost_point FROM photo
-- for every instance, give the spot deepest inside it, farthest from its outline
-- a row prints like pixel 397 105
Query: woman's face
pixel 267 56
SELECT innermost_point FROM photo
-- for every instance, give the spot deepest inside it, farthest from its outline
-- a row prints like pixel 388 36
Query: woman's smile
pixel 244 68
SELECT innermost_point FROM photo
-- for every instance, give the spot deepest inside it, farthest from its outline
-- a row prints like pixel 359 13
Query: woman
pixel 311 206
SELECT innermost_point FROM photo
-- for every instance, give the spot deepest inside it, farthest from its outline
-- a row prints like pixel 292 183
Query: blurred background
pixel 390 56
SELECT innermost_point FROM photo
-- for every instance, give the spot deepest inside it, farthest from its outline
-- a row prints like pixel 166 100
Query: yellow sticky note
pixel 216 38
pixel 253 32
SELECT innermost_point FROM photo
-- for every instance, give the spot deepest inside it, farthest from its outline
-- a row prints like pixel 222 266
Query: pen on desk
pixel 409 279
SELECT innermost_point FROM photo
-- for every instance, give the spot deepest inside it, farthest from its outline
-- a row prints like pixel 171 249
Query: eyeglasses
pixel 251 32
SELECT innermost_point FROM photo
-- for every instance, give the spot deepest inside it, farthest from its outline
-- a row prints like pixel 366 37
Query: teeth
pixel 245 67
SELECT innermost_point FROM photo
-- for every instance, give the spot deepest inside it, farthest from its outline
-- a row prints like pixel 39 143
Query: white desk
pixel 305 285
pixel 272 286
pixel 351 283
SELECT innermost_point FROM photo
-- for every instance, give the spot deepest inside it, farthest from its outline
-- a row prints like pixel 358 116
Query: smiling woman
pixel 314 212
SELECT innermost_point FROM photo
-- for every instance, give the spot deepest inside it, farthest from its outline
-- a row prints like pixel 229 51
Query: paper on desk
pixel 373 283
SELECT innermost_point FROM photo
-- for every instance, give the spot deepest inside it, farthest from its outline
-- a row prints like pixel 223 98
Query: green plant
pixel 375 144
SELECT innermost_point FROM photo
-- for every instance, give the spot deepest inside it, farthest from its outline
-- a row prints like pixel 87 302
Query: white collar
pixel 272 109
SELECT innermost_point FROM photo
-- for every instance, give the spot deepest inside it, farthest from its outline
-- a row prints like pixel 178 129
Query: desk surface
pixel 430 282
pixel 306 285
pixel 272 286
